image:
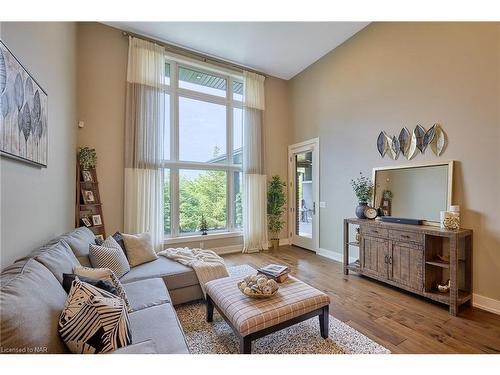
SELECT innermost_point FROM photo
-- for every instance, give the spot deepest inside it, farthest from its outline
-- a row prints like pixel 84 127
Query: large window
pixel 203 157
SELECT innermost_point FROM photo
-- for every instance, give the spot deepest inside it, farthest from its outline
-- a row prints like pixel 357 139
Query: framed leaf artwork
pixel 23 112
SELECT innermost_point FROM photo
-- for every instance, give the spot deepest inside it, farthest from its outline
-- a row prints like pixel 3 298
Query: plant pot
pixel 360 210
pixel 275 243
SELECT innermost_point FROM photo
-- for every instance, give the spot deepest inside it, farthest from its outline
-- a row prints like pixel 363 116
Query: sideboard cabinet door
pixel 375 253
pixel 406 265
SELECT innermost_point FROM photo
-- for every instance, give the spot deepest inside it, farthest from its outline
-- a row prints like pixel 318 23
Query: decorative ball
pixel 258 286
pixel 261 281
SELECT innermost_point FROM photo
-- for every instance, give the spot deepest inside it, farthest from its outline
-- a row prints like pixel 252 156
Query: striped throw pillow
pixel 109 255
pixel 93 320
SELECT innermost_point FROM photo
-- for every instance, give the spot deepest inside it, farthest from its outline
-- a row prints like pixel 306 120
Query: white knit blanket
pixel 206 264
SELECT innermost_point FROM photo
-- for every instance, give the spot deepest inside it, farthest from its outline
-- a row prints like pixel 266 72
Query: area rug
pixel 303 338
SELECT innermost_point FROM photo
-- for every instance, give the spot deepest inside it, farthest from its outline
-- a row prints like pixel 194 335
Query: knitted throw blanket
pixel 206 264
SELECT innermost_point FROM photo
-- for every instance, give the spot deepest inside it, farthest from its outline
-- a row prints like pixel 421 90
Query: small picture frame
pixel 86 221
pixel 87 176
pixel 88 196
pixel 99 237
pixel 96 219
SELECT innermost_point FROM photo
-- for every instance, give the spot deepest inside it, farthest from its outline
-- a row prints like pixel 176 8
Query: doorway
pixel 303 197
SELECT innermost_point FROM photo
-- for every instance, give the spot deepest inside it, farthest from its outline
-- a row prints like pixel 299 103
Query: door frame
pixel 309 145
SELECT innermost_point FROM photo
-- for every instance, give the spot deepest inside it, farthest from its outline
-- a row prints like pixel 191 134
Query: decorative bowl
pixel 258 286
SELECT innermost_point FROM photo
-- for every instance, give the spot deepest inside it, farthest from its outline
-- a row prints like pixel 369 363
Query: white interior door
pixel 303 167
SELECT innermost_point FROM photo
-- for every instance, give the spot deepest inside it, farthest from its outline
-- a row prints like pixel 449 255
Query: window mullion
pixel 229 144
pixel 174 187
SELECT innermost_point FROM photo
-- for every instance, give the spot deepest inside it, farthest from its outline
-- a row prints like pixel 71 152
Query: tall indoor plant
pixel 363 188
pixel 276 200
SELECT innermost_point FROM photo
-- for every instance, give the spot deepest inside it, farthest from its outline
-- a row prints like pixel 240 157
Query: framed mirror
pixel 414 191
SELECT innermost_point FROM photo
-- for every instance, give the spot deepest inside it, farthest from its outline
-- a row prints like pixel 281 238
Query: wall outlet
pixel 322 204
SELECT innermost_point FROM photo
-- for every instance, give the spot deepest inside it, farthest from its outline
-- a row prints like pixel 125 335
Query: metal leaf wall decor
pixel 23 112
pixel 439 142
pixel 404 141
pixel 3 73
pixel 382 144
pixel 419 132
pixel 409 144
pixel 429 136
pixel 395 148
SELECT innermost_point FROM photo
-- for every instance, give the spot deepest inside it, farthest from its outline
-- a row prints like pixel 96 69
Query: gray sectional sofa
pixel 32 298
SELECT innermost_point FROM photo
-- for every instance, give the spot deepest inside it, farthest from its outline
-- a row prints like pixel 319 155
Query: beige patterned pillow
pixel 104 274
pixel 139 248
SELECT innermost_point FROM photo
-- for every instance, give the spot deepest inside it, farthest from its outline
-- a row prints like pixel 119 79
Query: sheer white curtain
pixel 144 140
pixel 255 182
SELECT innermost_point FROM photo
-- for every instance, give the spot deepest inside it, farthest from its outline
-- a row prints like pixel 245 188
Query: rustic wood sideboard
pixel 413 257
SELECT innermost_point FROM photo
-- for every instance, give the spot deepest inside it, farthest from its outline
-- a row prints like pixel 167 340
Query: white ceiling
pixel 280 49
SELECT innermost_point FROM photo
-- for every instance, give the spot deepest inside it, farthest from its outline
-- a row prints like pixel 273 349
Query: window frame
pixel 174 164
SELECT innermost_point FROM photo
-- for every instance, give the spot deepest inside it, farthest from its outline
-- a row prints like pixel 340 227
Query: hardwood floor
pixel 400 321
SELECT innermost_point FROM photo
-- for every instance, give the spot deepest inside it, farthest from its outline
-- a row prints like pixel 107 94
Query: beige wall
pixel 38 204
pixel 102 56
pixel 392 75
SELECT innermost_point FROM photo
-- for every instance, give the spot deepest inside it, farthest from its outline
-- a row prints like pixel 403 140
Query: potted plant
pixel 276 199
pixel 87 158
pixel 363 188
pixel 203 225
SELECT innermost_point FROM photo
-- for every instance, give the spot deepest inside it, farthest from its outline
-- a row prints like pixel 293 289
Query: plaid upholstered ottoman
pixel 252 318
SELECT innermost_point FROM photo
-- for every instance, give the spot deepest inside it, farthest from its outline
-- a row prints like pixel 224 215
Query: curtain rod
pixel 194 55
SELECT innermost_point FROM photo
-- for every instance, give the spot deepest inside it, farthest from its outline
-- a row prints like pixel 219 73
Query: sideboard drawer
pixel 406 236
pixel 374 232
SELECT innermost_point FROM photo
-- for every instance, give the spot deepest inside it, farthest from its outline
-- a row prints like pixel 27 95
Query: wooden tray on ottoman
pixel 252 318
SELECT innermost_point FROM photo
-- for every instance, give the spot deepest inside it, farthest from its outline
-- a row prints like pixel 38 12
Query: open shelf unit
pixel 416 258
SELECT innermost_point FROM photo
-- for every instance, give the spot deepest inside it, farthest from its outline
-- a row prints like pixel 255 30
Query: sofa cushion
pixel 160 324
pixel 146 293
pixel 79 240
pixel 59 259
pixel 144 347
pixel 174 274
pixel 31 300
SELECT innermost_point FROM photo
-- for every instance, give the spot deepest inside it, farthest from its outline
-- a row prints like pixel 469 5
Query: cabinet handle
pixel 405 236
pixel 386 260
pixel 390 260
pixel 374 231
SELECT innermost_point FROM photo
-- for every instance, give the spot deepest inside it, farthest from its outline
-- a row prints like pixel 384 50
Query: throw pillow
pixel 110 255
pixel 93 320
pixel 118 238
pixel 68 279
pixel 139 248
pixel 104 274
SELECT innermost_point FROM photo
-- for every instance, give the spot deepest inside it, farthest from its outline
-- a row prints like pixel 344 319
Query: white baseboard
pixel 284 241
pixel 228 249
pixel 239 248
pixel 334 255
pixel 486 303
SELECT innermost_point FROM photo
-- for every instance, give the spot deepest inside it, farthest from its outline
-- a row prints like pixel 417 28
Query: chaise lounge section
pixel 32 298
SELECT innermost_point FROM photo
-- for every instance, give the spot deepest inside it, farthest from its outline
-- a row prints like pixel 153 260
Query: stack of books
pixel 276 272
